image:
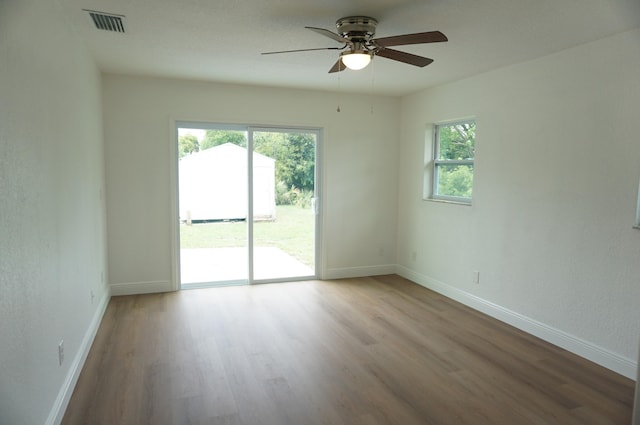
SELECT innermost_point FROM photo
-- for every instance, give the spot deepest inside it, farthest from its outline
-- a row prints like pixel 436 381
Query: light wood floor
pixel 356 351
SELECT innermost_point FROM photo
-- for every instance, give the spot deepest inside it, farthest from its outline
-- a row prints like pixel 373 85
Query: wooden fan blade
pixel 417 38
pixel 405 57
pixel 331 35
pixel 303 50
pixel 337 67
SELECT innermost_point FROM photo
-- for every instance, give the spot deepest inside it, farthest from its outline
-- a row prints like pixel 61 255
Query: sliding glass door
pixel 247 204
pixel 284 227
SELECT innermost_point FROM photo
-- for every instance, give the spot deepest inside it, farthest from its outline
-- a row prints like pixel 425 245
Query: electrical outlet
pixel 93 296
pixel 413 256
pixel 61 352
pixel 476 277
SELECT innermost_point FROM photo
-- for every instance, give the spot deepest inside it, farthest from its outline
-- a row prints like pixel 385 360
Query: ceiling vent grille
pixel 107 21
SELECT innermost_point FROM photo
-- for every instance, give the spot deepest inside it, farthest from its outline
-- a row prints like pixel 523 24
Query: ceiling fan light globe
pixel 356 61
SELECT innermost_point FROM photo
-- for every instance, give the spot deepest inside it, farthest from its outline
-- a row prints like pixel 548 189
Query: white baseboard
pixel 64 395
pixel 578 346
pixel 347 272
pixel 133 288
pixel 635 420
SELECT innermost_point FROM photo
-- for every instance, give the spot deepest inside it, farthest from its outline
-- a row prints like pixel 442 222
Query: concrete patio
pixel 224 265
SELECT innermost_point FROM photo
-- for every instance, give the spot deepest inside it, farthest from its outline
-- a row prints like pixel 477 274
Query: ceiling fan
pixel 356 33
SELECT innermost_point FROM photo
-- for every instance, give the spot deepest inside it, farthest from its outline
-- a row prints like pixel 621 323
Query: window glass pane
pixel 454 180
pixel 457 141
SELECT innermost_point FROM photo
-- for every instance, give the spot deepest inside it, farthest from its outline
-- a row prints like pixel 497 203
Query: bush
pixel 292 196
pixel 283 194
pixel 304 198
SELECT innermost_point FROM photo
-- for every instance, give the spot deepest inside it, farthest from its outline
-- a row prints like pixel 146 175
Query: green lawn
pixel 292 232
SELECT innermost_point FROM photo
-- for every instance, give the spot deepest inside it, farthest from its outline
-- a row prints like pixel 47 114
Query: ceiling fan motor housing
pixel 357 28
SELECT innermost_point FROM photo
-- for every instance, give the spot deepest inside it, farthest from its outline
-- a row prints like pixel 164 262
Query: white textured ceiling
pixel 221 40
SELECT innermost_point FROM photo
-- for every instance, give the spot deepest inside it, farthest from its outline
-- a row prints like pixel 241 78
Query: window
pixel 453 154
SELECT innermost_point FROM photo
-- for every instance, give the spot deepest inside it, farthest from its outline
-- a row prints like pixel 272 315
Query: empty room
pixel 298 212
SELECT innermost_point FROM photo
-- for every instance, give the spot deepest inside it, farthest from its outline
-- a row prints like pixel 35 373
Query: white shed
pixel 213 185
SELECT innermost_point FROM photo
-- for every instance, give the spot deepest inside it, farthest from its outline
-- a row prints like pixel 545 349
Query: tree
pixel 187 144
pixel 220 137
pixel 295 157
pixel 456 181
pixel 300 160
pixel 457 141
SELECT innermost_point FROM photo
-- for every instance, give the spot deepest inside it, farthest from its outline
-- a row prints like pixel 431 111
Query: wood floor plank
pixel 371 351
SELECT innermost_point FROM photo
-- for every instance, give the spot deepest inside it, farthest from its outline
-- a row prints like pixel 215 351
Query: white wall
pixel 550 229
pixel 52 220
pixel 359 171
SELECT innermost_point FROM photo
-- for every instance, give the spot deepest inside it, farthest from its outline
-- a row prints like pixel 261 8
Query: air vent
pixel 107 21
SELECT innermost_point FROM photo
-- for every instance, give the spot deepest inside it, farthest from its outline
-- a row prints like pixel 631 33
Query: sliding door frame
pixel 250 129
pixel 317 204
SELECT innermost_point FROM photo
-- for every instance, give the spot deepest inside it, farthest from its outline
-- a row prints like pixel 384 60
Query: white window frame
pixel 437 162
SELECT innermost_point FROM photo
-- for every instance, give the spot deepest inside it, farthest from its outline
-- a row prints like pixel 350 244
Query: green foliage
pixel 295 162
pixel 457 141
pixel 187 144
pixel 220 137
pixel 300 161
pixel 455 181
pixel 292 196
pixel 304 199
pixel 283 194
